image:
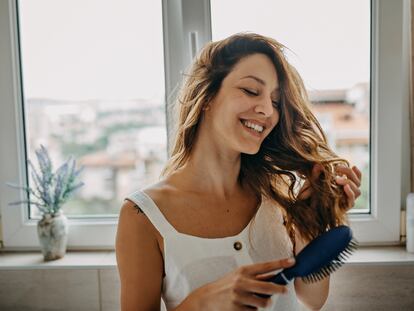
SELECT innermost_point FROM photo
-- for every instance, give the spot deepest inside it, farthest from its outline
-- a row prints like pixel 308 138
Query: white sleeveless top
pixel 191 261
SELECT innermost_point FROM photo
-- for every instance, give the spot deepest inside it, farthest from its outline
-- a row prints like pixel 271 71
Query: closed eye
pixel 250 92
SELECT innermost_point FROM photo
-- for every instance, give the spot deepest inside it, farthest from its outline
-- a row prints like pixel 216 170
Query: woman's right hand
pixel 235 291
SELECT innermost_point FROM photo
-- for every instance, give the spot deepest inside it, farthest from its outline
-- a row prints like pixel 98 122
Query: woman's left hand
pixel 349 178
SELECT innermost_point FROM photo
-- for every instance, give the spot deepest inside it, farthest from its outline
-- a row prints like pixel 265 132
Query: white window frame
pixel 187 26
pixel 390 93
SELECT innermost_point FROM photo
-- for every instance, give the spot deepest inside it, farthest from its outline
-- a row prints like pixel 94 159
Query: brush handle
pixel 279 278
pixel 320 257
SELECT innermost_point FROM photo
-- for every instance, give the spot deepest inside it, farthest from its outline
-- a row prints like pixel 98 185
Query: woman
pixel 250 182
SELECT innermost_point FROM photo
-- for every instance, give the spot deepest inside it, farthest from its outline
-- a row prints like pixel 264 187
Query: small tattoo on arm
pixel 139 210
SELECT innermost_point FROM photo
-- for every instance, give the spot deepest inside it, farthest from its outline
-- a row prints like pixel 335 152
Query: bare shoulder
pixel 138 258
pixel 134 213
pixel 161 190
pixel 139 254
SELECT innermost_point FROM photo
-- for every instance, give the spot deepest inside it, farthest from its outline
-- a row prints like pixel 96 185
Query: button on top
pixel 237 246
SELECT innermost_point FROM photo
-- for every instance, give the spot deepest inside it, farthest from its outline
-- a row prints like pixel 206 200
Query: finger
pixel 242 307
pixel 349 173
pixel 265 276
pixel 252 302
pixel 355 189
pixel 350 194
pixel 263 287
pixel 268 266
pixel 247 308
pixel 357 172
pixel 343 181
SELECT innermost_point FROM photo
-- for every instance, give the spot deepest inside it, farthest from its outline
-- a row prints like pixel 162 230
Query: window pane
pixel 93 77
pixel 328 42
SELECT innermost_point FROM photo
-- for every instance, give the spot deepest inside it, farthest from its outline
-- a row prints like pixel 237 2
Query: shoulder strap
pixel 151 210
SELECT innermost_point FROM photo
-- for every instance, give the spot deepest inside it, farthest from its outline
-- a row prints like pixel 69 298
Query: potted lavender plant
pixel 51 190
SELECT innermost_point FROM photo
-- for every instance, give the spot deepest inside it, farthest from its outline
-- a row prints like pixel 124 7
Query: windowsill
pixel 378 255
pixel 381 255
pixel 33 260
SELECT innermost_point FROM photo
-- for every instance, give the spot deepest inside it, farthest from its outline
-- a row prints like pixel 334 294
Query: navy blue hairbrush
pixel 321 257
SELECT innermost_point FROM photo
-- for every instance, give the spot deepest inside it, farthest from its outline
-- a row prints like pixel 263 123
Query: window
pixel 333 61
pixel 93 72
pixel 29 74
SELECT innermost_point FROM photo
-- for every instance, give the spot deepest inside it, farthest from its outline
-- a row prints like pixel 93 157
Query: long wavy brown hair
pixel 290 151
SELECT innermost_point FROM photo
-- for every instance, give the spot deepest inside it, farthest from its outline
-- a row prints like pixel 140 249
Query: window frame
pixel 187 26
pixel 390 29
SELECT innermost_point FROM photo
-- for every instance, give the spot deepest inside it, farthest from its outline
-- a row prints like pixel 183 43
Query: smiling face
pixel 245 109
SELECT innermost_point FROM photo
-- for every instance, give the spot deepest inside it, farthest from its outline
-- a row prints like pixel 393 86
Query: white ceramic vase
pixel 53 235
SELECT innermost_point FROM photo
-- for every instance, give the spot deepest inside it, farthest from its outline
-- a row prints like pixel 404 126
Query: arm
pixel 139 261
pixel 140 266
pixel 313 295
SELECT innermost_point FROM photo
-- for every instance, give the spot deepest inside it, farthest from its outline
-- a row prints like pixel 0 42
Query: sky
pixel 113 50
pixel 329 40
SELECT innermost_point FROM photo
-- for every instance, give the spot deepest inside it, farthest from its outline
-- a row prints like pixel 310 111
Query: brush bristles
pixel 333 265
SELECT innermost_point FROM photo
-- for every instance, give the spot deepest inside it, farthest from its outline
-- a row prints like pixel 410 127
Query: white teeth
pixel 256 127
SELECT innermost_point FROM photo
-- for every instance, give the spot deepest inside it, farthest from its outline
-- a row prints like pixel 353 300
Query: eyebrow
pixel 258 80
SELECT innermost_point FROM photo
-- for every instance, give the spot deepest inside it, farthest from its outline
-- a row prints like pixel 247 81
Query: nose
pixel 265 107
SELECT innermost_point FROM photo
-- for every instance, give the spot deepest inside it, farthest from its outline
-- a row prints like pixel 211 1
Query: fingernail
pixel 291 260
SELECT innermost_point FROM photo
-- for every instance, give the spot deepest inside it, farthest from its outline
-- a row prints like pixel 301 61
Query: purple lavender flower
pixel 51 189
